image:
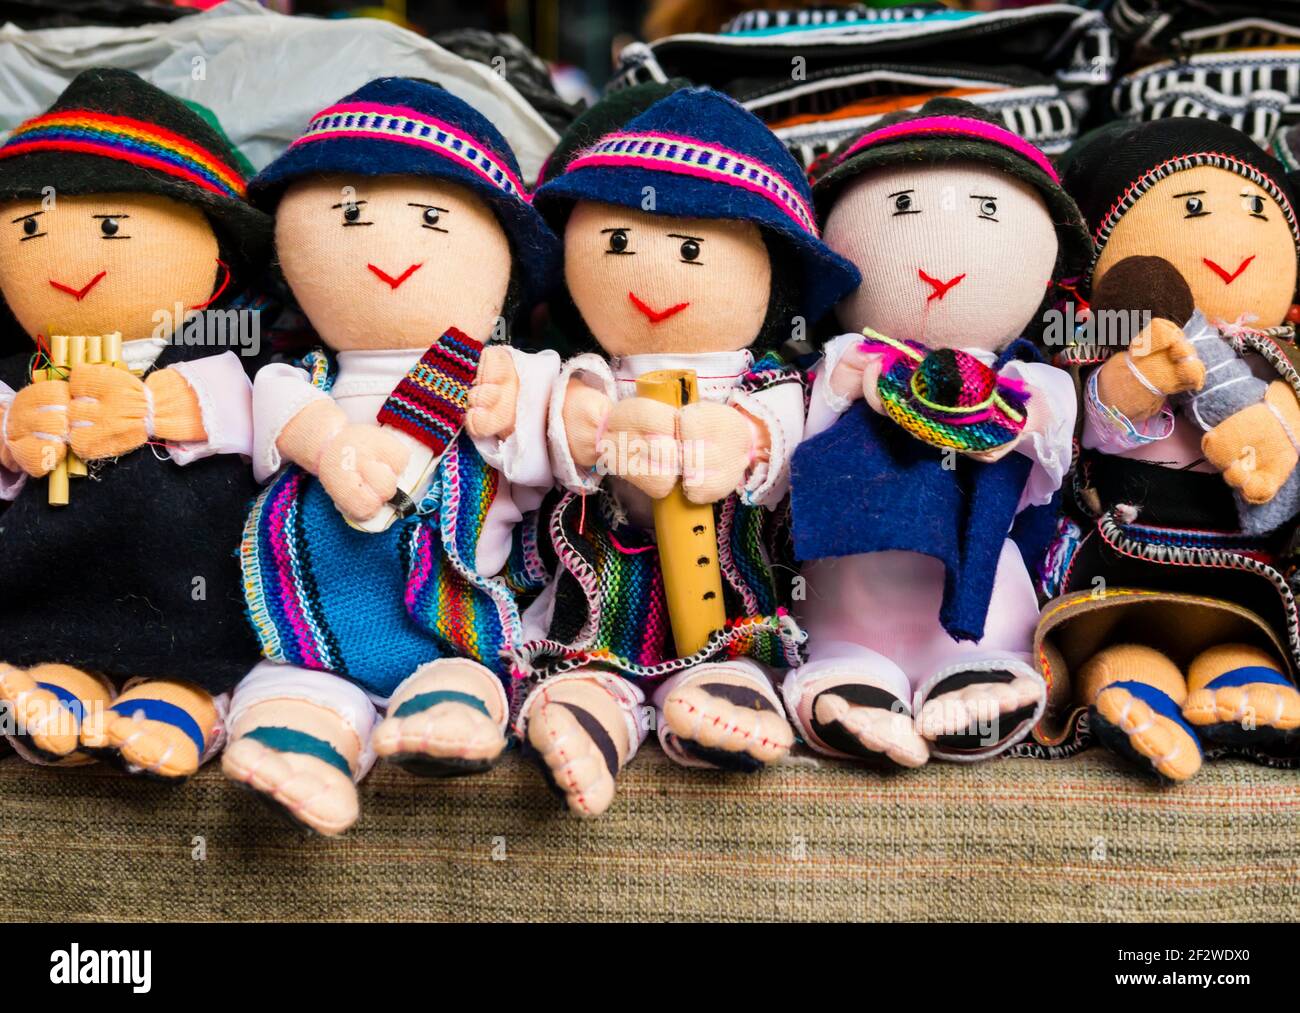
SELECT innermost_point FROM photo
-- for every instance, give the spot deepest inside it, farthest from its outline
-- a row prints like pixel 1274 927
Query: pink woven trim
pixel 959 126
pixel 694 170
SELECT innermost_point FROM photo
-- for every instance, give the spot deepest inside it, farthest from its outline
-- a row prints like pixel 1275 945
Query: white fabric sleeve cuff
pixel 280 392
pixel 824 405
pixel 226 404
pixel 1052 448
pixel 11 482
pixel 522 457
pixel 594 371
pixel 780 408
pixel 1109 430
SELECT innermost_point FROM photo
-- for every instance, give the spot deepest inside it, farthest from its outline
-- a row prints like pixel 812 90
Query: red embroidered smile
pixel 1228 279
pixel 656 316
pixel 79 293
pixel 940 287
pixel 392 282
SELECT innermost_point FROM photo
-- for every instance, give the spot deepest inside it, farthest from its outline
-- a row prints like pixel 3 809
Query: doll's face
pixel 392 261
pixel 1225 235
pixel 104 263
pixel 952 256
pixel 646 283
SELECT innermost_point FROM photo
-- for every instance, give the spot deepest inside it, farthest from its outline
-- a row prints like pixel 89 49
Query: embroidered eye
pixel 29 226
pixel 1195 207
pixel 108 226
pixel 988 208
pixel 1253 203
pixel 690 250
pixel 430 216
pixel 618 241
pixel 351 213
pixel 902 203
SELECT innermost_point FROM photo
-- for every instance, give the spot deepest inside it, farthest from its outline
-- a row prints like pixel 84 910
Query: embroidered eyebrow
pixel 1189 193
pixel 347 204
pixel 898 193
pixel 23 218
pixel 984 196
pixel 110 216
pixel 621 228
pixel 412 204
pixel 678 235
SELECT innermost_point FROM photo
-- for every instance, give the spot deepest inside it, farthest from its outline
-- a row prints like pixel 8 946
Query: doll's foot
pixel 869 723
pixel 440 722
pixel 47 706
pixel 723 718
pixel 157 729
pixel 981 710
pixel 303 778
pixel 1242 699
pixel 577 736
pixel 1143 724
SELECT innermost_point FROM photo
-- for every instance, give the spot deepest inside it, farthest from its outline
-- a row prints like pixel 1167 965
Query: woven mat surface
pixel 1080 839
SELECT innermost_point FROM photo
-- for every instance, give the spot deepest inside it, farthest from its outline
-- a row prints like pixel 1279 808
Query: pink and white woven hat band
pixel 953 126
pixel 688 156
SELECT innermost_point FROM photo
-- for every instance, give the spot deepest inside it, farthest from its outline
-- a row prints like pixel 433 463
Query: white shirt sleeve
pixel 1052 448
pixel 781 409
pixel 225 398
pixel 523 456
pixel 11 482
pixel 593 370
pixel 280 391
pixel 824 405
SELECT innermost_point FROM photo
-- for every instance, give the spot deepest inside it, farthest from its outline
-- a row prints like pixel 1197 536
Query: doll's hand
pixel 718 447
pixel 1162 356
pixel 585 413
pixel 36 427
pixel 359 468
pixel 847 378
pixel 176 412
pixel 1253 448
pixel 1038 416
pixel 641 440
pixel 107 414
pixel 494 396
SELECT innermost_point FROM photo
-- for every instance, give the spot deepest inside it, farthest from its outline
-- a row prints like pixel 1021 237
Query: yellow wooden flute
pixel 687 538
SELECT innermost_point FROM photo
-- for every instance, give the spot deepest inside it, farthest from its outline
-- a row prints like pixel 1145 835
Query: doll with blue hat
pixel 691 254
pixel 400 456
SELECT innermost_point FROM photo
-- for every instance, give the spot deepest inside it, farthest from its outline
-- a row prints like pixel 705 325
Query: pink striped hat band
pixel 688 156
pixel 954 126
pixel 401 125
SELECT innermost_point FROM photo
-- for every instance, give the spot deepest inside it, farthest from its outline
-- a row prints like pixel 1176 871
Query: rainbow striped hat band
pixel 139 142
pixel 396 126
pixel 701 155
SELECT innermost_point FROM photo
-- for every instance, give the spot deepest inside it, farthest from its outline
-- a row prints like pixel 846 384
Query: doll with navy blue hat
pixel 691 254
pixel 400 456
pixel 931 430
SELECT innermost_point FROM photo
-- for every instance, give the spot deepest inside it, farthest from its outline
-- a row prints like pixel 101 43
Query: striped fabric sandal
pixel 301 777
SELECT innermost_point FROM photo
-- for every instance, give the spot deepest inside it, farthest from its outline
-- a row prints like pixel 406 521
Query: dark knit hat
pixel 703 156
pixel 396 126
pixel 113 132
pixel 952 130
pixel 1108 169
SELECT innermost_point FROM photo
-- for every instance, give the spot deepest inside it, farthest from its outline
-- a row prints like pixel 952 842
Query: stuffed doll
pixel 930 429
pixel 1182 630
pixel 400 457
pixel 124 214
pixel 691 253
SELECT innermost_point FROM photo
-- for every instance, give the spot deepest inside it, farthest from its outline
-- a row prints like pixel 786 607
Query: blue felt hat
pixel 706 157
pixel 396 126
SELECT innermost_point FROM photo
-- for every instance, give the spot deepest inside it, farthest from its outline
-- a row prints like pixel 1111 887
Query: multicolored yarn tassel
pixel 430 402
pixel 946 397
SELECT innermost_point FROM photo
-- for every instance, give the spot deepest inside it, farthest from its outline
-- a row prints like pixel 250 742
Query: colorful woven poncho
pixel 946 397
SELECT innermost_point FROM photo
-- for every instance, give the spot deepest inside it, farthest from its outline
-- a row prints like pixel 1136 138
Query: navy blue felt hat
pixel 397 126
pixel 706 157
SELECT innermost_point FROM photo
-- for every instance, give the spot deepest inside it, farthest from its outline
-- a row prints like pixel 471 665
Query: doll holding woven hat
pixel 124 214
pixel 930 430
pixel 1180 631
pixel 405 234
pixel 691 252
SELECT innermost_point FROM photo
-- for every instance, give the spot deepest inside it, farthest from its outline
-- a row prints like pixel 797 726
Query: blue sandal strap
pixel 1160 702
pixel 68 699
pixel 1248 676
pixel 423 701
pixel 290 740
pixel 168 713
